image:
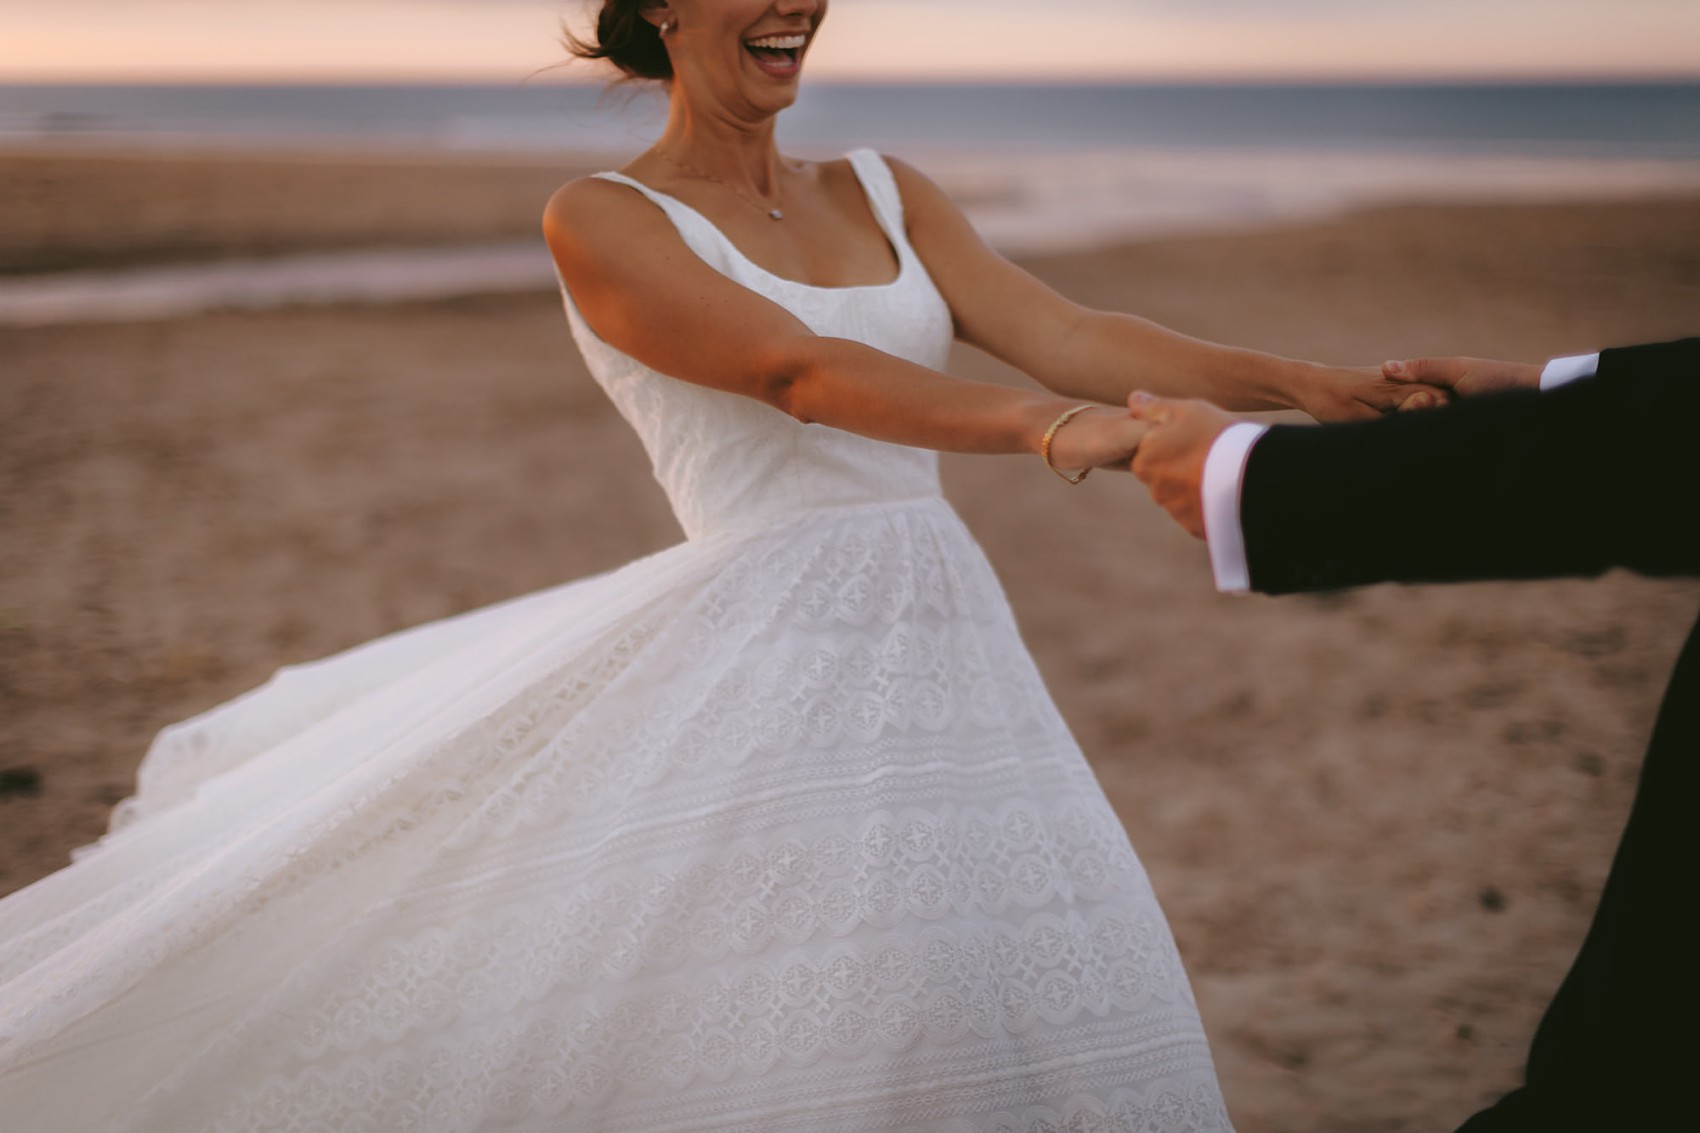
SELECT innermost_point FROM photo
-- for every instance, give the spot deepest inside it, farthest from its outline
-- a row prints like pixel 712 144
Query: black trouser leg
pixel 1617 1046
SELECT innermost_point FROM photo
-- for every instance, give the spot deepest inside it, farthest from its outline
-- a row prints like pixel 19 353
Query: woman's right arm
pixel 645 293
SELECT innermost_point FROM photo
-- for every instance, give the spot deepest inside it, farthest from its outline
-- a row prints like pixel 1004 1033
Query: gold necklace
pixel 773 211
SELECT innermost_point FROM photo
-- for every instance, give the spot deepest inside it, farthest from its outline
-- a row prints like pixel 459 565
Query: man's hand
pixel 1466 377
pixel 1170 460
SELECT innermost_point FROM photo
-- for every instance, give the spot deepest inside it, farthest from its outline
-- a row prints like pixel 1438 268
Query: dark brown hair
pixel 625 39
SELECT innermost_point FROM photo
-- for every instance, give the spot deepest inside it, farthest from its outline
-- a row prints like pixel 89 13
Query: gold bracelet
pixel 1045 444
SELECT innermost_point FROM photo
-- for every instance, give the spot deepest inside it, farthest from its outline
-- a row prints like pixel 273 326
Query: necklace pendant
pixel 776 214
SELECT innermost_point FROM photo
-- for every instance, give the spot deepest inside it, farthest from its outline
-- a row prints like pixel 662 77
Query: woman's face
pixel 744 55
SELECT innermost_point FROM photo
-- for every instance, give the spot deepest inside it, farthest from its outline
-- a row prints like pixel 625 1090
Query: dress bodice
pixel 730 462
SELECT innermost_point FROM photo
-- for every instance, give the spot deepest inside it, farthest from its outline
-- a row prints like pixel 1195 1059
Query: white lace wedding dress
pixel 775 830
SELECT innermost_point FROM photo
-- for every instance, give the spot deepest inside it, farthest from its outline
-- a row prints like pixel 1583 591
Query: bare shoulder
pixel 589 215
pixel 907 175
pixel 936 224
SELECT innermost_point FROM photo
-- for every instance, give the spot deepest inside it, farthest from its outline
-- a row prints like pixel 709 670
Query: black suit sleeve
pixel 1602 472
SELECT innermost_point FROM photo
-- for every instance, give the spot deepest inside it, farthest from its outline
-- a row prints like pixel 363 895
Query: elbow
pixel 790 375
pixel 786 395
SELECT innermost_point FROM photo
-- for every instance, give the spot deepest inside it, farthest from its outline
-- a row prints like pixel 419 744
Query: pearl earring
pixel 666 26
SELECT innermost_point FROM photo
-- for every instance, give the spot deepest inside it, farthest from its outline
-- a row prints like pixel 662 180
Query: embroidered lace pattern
pixel 777 829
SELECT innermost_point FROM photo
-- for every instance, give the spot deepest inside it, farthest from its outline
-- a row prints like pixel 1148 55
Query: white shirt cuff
pixel 1561 370
pixel 1224 470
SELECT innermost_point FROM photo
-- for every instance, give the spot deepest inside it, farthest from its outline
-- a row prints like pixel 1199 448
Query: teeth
pixel 780 42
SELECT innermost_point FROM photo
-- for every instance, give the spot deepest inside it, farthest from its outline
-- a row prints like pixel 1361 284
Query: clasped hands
pixel 1165 442
pixel 1170 458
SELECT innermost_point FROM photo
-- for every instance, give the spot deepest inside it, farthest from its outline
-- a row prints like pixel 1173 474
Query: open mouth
pixel 779 54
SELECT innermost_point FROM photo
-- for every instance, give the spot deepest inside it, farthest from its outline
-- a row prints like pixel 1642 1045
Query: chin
pixel 778 100
pixel 772 97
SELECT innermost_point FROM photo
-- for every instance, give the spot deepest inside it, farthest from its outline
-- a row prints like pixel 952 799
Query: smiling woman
pixel 631 35
pixel 778 828
pixel 633 43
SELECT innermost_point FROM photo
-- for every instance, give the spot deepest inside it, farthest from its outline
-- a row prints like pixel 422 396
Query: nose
pixel 797 7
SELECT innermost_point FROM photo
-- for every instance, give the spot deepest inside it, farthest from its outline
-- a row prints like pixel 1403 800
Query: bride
pixel 775 830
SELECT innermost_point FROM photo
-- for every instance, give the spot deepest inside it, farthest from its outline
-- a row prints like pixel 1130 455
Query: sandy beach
pixel 1378 821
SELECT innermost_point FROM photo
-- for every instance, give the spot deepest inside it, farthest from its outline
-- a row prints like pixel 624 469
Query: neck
pixel 737 150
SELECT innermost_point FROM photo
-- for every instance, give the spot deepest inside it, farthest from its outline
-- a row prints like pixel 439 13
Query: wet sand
pixel 1378 820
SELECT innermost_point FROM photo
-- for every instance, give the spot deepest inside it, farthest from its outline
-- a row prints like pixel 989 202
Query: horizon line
pixel 1379 79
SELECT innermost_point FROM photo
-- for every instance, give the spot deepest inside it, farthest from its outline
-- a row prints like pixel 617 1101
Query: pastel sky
pixel 499 40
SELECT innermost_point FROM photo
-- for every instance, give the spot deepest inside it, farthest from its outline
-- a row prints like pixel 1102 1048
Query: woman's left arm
pixel 1102 355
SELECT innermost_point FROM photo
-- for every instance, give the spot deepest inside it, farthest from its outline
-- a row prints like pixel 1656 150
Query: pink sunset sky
pixel 501 40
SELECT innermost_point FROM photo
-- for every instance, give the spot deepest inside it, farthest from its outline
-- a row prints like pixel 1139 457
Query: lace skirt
pixel 766 832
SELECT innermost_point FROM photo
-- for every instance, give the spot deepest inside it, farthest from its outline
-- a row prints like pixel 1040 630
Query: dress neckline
pixel 898 244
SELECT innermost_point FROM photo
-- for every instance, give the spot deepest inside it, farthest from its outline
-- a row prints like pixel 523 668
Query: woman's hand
pixel 1466 377
pixel 1342 393
pixel 1102 437
pixel 1171 459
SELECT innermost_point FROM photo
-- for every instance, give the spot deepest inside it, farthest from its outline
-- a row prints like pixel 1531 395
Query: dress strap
pixel 698 232
pixel 882 193
pixel 675 209
pixel 706 239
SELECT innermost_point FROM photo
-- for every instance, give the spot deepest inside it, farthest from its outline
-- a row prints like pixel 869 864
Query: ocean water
pixel 1621 121
pixel 1037 168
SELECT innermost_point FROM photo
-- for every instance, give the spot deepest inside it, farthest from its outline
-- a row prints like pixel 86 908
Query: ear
pixel 655 11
